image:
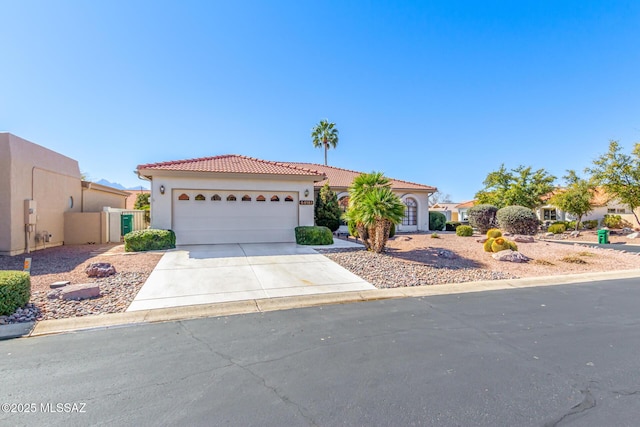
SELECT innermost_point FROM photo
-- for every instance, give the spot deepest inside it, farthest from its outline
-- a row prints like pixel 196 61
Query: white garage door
pixel 209 216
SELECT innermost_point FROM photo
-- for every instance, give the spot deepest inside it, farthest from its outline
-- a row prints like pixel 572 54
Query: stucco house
pixel 239 199
pixel 463 209
pixel 39 190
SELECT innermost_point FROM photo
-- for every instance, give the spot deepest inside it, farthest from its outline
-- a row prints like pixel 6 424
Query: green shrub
pixel 327 210
pixel 494 232
pixel 435 236
pixel 482 217
pixel 487 244
pixel 452 225
pixel 590 224
pixel 512 245
pixel 149 240
pixel 313 235
pixel 352 229
pixel 15 290
pixel 613 221
pixel 556 228
pixel 464 230
pixel 437 220
pixel 392 230
pixel 517 220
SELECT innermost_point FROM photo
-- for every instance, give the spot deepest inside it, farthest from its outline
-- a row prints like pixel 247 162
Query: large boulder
pixel 100 269
pixel 81 291
pixel 633 236
pixel 524 239
pixel 510 256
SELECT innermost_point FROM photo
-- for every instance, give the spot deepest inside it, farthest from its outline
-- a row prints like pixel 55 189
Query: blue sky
pixel 436 92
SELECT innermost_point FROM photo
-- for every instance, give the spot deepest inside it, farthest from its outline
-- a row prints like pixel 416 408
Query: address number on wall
pixel 306 202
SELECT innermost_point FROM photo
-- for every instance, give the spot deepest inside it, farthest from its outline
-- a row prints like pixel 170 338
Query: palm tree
pixel 373 207
pixel 325 134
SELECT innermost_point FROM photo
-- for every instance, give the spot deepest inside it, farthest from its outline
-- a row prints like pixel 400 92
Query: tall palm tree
pixel 325 134
pixel 373 207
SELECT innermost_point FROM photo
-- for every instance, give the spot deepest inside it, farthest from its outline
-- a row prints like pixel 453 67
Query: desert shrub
pixel 392 230
pixel 570 225
pixel 512 245
pixel 499 244
pixel 437 220
pixel 149 240
pixel 451 225
pixel 556 228
pixel 494 233
pixel 487 244
pixel 352 229
pixel 482 217
pixel 313 235
pixel 517 220
pixel 15 290
pixel 435 236
pixel 573 259
pixel 614 221
pixel 590 224
pixel 464 230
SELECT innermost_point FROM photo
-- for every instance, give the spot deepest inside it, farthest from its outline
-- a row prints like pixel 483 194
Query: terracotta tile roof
pixel 468 204
pixel 231 163
pixel 599 196
pixel 342 178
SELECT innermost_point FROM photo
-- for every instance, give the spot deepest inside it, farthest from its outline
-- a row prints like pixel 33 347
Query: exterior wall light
pixel 306 193
pixel 162 189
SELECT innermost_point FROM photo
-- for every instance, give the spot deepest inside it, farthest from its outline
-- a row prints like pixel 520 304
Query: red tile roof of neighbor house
pixel 599 196
pixel 232 163
pixel 468 204
pixel 342 178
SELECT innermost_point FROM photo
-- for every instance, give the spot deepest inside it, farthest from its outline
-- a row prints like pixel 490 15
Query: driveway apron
pixel 204 274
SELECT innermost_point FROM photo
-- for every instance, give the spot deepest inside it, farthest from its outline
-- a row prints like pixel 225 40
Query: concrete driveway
pixel 203 274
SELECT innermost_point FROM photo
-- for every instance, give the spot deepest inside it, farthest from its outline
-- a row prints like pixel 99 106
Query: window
pixel 231 198
pixel 611 211
pixel 70 202
pixel 549 215
pixel 216 198
pixel 200 197
pixel 410 212
pixel 275 198
pixel 246 198
pixel 288 199
pixel 260 198
pixel 183 197
pixel 621 211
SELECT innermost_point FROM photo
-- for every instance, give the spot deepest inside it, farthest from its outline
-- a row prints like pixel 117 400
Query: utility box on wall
pixel 30 213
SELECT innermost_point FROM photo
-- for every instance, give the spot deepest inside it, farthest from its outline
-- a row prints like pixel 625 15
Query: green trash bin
pixel 126 224
pixel 603 237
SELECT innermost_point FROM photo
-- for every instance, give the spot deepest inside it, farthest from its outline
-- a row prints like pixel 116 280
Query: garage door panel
pixel 221 221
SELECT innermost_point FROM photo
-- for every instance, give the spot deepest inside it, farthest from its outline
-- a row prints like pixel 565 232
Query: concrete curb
pixel 48 327
pixel 15 330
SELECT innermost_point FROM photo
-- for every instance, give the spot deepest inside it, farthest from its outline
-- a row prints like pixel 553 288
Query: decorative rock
pixel 403 238
pixel 549 234
pixel 524 239
pixel 446 254
pixel 100 269
pixel 626 230
pixel 61 284
pixel 79 292
pixel 633 236
pixel 484 239
pixel 54 294
pixel 510 256
pixel 574 233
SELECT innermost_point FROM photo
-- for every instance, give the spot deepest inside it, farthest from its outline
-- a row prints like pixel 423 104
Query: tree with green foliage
pixel 520 186
pixel 327 210
pixel 619 175
pixel 142 203
pixel 575 198
pixel 373 207
pixel 325 134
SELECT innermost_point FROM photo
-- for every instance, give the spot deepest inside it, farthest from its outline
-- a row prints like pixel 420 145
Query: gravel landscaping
pixel 68 263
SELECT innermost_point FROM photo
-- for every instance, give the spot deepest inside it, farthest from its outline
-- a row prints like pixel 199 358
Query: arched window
pixel 231 198
pixel 246 198
pixel 216 198
pixel 183 197
pixel 275 198
pixel 288 199
pixel 200 197
pixel 410 212
pixel 260 198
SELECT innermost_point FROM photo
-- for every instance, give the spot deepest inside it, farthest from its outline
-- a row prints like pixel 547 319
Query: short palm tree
pixel 373 207
pixel 325 134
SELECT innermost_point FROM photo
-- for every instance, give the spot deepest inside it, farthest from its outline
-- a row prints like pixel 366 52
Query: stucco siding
pixel 95 200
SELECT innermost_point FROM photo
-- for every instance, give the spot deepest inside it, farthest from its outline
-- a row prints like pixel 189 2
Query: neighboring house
pixel 414 196
pixel 448 209
pixel 463 209
pixel 44 202
pixel 602 203
pixel 133 196
pixel 239 199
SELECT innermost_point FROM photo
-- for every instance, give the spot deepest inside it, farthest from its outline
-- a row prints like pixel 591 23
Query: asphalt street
pixel 547 356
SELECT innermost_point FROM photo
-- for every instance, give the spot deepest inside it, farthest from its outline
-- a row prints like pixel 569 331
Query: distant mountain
pixel 120 186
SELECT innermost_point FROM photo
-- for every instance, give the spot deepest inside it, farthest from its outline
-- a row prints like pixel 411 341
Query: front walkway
pixel 203 274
